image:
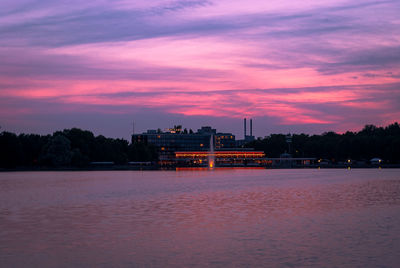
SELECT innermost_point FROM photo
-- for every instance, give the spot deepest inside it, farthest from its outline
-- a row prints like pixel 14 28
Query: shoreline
pixel 156 168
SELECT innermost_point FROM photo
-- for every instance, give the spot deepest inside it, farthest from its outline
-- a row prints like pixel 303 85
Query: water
pixel 220 218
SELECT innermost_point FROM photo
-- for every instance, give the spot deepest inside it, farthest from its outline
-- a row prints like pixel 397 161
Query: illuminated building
pixel 182 148
pixel 225 158
pixel 175 139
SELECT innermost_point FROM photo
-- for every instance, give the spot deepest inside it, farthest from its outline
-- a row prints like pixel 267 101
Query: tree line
pixel 78 148
pixel 68 148
pixel 370 142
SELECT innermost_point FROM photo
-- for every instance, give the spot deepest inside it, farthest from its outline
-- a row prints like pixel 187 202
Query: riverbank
pixel 155 167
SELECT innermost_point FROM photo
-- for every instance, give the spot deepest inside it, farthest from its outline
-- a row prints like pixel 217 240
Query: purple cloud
pixel 329 65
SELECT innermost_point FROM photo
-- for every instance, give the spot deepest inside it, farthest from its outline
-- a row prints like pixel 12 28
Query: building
pixel 246 138
pixel 175 139
pixel 222 158
pixel 177 147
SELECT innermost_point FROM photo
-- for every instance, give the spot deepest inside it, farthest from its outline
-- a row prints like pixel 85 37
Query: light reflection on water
pixel 222 218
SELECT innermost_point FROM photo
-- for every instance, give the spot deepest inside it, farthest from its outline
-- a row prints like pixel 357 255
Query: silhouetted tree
pixel 142 152
pixel 10 150
pixel 32 146
pixel 370 142
pixel 57 152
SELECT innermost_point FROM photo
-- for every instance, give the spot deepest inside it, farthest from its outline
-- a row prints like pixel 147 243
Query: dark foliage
pixel 10 150
pixel 57 152
pixel 370 142
pixel 70 147
pixel 142 152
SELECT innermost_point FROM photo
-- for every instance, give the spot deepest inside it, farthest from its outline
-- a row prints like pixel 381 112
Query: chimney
pixel 251 127
pixel 245 132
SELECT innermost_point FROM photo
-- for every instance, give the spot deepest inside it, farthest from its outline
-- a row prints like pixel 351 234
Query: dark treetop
pixel 68 148
pixel 370 142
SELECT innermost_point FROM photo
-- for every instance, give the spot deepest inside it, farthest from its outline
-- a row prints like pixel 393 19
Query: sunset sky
pixel 293 66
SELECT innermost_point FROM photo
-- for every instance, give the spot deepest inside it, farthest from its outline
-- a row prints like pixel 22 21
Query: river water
pixel 194 218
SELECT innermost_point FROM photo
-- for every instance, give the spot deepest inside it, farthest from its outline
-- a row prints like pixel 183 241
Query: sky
pixel 293 66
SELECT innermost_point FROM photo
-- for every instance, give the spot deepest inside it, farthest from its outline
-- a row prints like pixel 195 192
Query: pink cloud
pixel 312 63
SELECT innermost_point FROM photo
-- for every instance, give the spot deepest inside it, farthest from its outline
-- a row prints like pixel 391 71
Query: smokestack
pixel 245 132
pixel 251 127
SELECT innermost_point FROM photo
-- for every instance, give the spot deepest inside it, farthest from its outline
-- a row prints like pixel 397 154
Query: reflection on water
pixel 223 218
